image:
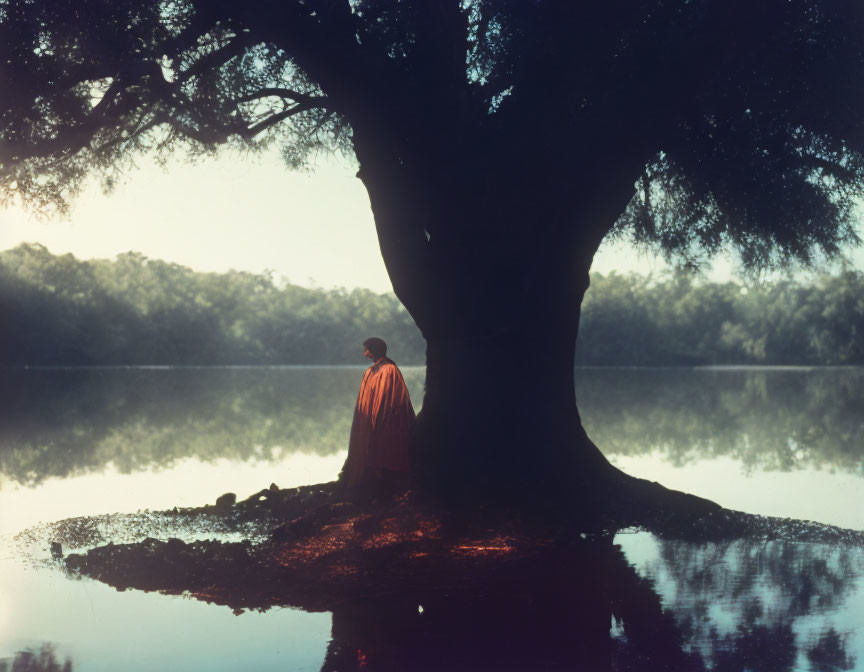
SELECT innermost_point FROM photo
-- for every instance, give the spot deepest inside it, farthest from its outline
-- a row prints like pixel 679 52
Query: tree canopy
pixel 698 123
pixel 499 141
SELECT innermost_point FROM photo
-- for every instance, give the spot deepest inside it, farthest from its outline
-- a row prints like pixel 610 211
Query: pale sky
pixel 251 214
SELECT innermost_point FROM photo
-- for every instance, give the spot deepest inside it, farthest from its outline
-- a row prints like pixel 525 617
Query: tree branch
pixel 216 59
pixel 325 47
pixel 271 121
pixel 201 23
pixel 281 92
pixel 68 139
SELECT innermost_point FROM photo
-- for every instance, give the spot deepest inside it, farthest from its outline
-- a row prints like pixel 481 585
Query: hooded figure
pixel 378 449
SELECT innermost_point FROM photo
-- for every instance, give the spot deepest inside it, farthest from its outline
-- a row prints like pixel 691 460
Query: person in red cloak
pixel 378 458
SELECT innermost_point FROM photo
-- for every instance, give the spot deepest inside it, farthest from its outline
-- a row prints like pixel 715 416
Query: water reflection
pixel 780 616
pixel 765 419
pixel 550 616
pixel 58 423
pixel 760 604
pixel 64 422
pixel 642 604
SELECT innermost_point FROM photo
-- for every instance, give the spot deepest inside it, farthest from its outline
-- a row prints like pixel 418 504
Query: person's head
pixel 376 348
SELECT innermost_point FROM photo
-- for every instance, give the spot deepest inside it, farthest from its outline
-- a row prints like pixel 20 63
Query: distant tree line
pixel 58 310
pixel 680 320
pixel 134 310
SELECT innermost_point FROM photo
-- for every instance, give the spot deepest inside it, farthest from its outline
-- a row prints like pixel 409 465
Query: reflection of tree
pixel 55 423
pixel 742 601
pixel 549 610
pixel 554 616
pixel 782 420
pixel 828 653
pixel 561 620
pixel 43 660
pixel 406 600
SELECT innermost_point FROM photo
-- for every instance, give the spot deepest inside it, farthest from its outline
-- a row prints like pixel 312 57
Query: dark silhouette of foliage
pixel 740 124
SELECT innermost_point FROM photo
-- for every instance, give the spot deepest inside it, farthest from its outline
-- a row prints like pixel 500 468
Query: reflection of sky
pixel 187 483
pixel 826 497
pixel 100 628
pixel 809 494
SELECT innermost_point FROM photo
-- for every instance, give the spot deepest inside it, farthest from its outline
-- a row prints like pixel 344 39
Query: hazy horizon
pixel 252 214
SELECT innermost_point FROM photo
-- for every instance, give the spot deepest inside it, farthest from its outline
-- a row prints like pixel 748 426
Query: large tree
pixel 500 142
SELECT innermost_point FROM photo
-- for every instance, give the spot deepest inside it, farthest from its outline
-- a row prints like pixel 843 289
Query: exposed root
pixel 636 501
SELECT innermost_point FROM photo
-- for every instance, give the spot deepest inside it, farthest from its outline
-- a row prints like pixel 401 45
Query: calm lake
pixel 778 442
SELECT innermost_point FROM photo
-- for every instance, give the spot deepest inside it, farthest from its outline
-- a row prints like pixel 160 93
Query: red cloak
pixel 382 423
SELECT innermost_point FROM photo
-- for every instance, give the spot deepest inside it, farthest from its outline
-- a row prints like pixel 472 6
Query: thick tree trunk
pixel 499 423
pixel 500 432
pixel 499 416
pixel 500 435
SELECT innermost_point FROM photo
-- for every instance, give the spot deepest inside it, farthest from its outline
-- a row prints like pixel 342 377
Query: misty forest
pixel 572 470
pixel 133 310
